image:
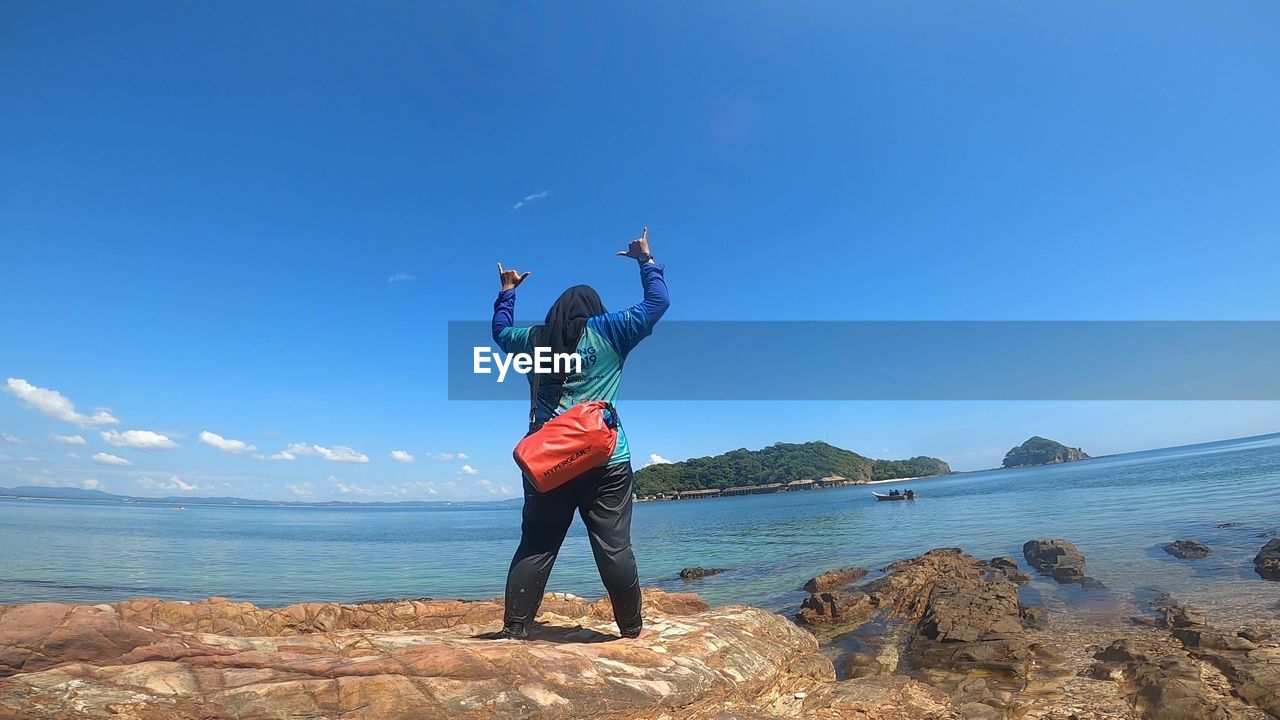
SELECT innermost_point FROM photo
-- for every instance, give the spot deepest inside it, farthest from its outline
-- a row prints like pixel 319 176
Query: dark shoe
pixel 515 631
pixel 510 631
pixel 632 634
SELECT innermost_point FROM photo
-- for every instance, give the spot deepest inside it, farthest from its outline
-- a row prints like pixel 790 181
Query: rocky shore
pixel 944 635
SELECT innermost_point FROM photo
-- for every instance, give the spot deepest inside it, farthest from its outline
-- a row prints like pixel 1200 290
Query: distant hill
pixel 1042 451
pixel 71 493
pixel 782 462
pixel 61 493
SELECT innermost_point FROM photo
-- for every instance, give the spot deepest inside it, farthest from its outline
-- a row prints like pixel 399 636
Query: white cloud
pixel 303 489
pixel 467 470
pixel 530 198
pixel 463 456
pixel 402 456
pixel 337 453
pixel 353 489
pixel 340 453
pixel 290 453
pixel 109 459
pixel 138 439
pixel 56 405
pixel 173 483
pixel 226 445
pixel 11 439
pixel 91 484
pixel 67 439
pixel 656 459
pixel 401 277
pixel 4 457
pixel 444 457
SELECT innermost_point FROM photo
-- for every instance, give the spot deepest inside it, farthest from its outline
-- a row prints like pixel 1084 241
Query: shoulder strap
pixel 533 400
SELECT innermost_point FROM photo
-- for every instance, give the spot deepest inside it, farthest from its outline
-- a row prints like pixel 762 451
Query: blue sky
pixel 255 219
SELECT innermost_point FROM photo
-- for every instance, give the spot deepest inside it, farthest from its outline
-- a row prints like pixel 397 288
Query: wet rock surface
pixel 1008 567
pixel 834 579
pixel 1188 549
pixel 1058 559
pixel 943 635
pixel 1251 670
pixel 696 573
pixel 956 623
pixel 969 622
pixel 834 607
pixel 959 625
pixel 1160 688
pixel 1267 562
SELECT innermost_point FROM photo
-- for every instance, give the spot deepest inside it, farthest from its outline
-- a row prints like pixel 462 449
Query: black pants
pixel 603 498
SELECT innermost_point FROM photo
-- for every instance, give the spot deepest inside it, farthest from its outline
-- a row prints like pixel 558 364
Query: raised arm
pixel 509 338
pixel 626 328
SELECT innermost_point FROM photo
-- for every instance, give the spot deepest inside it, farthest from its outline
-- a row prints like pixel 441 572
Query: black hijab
pixel 565 322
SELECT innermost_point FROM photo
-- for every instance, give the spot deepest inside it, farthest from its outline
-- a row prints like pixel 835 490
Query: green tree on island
pixel 1042 451
pixel 778 463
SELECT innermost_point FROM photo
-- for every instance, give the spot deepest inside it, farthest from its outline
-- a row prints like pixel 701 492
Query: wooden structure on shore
pixel 792 486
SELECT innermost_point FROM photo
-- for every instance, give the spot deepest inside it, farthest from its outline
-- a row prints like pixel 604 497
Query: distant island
pixel 1042 451
pixel 39 492
pixel 782 463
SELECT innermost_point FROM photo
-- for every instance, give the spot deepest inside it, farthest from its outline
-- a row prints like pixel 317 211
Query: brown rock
pixel 1188 549
pixel 1267 562
pixel 690 574
pixel 834 579
pixel 884 697
pixel 1171 689
pixel 1202 637
pixel 398 661
pixel 42 635
pixel 967 620
pixel 1057 558
pixel 1158 688
pixel 834 607
pixel 1035 617
pixel 1177 615
pixel 1255 635
pixel 1007 567
pixel 1254 672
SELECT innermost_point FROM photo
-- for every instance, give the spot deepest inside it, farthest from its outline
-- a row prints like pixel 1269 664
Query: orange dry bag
pixel 569 444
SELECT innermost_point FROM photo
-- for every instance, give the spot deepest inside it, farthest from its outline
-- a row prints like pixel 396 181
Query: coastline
pixel 963 645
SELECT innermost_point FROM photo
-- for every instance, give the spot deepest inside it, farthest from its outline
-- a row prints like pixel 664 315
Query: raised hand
pixel 510 279
pixel 639 248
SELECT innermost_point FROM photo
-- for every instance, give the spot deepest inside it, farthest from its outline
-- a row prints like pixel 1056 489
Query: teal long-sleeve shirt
pixel 606 341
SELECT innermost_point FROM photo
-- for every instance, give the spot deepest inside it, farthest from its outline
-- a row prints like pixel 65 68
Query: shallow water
pixel 1118 510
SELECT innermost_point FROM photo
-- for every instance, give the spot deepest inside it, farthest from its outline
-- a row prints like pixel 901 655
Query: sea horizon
pixel 768 545
pixel 234 501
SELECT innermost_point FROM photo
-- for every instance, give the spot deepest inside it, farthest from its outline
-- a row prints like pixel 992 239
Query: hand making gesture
pixel 510 279
pixel 639 248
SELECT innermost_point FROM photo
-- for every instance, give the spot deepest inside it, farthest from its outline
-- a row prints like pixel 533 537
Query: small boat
pixel 886 496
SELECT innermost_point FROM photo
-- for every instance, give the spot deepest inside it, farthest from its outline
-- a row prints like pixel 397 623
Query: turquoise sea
pixel 1117 509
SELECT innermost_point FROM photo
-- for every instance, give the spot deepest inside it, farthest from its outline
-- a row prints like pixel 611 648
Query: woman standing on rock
pixel 578 322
